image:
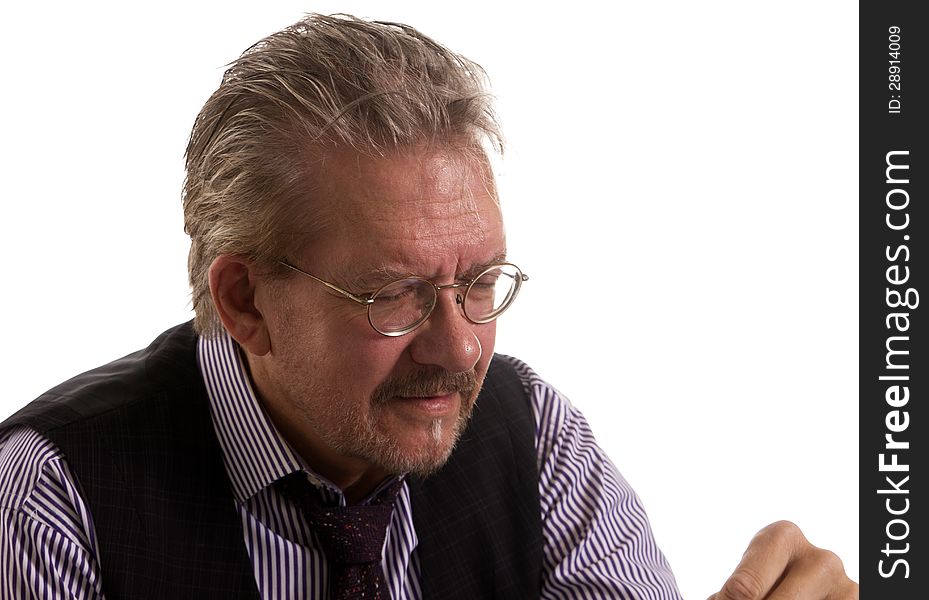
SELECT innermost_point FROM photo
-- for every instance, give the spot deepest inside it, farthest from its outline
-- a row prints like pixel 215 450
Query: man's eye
pixel 395 294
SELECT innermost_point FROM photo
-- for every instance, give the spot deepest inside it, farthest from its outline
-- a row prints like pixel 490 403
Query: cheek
pixel 368 359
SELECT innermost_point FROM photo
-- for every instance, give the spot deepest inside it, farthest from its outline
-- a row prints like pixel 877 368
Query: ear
pixel 232 286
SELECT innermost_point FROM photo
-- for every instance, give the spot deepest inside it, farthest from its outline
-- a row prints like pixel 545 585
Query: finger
pixel 817 575
pixel 764 562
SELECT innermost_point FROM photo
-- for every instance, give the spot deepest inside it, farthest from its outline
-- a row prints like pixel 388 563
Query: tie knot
pixel 351 534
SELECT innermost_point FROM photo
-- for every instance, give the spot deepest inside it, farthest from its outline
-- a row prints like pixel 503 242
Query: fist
pixel 780 564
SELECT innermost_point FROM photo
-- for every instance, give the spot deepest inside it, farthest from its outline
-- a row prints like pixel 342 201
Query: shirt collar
pixel 255 453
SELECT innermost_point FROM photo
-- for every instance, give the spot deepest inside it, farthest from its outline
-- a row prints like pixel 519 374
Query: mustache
pixel 434 381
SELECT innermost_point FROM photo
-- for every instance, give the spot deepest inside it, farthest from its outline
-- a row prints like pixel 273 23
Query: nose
pixel 447 339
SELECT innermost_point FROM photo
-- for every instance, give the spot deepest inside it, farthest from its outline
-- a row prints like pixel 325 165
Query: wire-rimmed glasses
pixel 402 305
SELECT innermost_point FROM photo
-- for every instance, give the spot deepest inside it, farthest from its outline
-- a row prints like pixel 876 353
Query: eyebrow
pixel 372 278
pixel 472 272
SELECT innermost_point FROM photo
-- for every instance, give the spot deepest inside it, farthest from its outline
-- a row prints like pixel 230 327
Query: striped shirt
pixel 597 539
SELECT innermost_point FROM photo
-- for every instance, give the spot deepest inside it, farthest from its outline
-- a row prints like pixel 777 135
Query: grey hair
pixel 324 84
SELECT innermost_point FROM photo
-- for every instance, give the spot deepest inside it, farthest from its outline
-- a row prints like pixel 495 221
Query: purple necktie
pixel 352 537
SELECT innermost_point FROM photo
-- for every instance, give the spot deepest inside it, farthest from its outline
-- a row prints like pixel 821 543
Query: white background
pixel 680 185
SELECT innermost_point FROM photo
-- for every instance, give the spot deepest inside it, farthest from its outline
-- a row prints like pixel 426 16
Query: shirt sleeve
pixel 597 539
pixel 47 543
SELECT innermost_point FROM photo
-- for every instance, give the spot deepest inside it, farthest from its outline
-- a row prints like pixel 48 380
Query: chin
pixel 425 453
pixel 421 453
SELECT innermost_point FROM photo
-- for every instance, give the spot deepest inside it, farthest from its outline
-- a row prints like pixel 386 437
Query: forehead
pixel 416 207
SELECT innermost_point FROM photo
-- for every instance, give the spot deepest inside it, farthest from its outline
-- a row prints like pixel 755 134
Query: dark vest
pixel 138 436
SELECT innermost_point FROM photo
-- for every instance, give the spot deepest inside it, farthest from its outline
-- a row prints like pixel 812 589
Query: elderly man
pixel 334 423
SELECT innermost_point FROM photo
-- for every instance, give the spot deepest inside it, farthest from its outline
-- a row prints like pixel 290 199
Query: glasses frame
pixel 368 299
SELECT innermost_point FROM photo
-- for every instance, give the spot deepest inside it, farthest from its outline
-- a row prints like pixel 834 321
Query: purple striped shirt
pixel 597 539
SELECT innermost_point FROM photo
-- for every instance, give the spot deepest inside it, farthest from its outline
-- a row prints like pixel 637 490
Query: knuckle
pixel 744 584
pixel 784 534
pixel 831 569
pixel 830 563
pixel 786 529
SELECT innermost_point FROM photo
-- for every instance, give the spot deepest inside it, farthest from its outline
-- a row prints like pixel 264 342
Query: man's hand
pixel 780 564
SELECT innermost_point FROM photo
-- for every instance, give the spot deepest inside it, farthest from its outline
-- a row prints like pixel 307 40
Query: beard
pixel 358 427
pixel 360 435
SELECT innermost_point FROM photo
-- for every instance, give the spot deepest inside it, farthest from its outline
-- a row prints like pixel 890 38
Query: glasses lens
pixel 401 306
pixel 492 293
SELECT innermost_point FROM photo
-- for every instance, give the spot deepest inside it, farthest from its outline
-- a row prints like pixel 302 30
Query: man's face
pixel 345 396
